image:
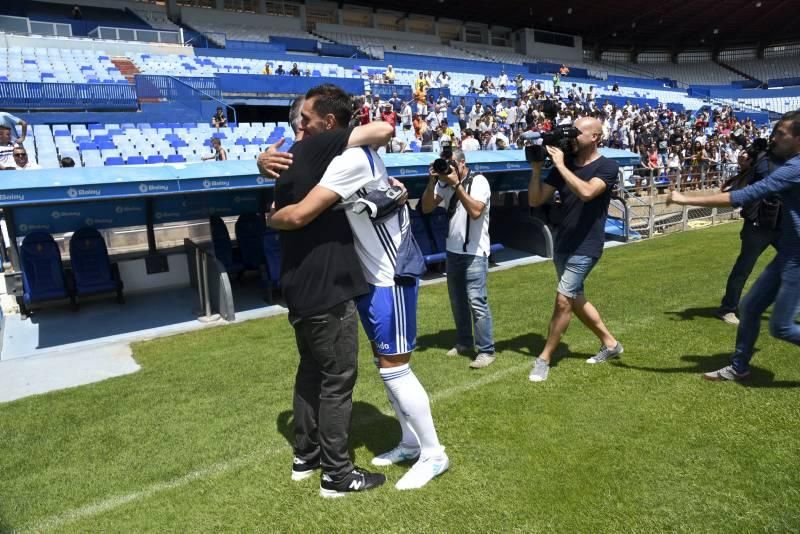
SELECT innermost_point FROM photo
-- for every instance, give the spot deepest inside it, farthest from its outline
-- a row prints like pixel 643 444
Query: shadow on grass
pixel 370 428
pixel 529 344
pixel 690 314
pixel 759 378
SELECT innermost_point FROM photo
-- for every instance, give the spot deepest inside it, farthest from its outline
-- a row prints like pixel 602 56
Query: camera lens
pixel 441 166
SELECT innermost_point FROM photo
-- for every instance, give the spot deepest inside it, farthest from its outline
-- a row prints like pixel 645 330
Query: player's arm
pixel 298 215
pixel 586 191
pixel 374 133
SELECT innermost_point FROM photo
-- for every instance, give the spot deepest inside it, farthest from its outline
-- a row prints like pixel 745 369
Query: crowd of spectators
pixel 671 143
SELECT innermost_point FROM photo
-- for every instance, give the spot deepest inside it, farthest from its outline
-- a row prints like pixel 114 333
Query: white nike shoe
pixel 422 472
pixel 399 454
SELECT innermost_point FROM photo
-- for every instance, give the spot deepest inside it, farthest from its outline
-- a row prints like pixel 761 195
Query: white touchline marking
pixel 111 503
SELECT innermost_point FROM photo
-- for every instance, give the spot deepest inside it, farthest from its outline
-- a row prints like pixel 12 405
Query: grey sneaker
pixel 459 350
pixel 606 354
pixel 728 317
pixel 540 371
pixel 482 360
pixel 727 373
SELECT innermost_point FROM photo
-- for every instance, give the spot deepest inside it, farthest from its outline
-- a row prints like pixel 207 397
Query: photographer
pixel 780 281
pixel 466 197
pixel 584 183
pixel 761 225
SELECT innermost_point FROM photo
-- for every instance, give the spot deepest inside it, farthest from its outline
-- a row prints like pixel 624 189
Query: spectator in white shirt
pixel 21 159
pixel 468 141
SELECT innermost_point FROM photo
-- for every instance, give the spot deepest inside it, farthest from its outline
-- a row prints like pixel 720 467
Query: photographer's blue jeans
pixel 755 241
pixel 466 283
pixel 778 284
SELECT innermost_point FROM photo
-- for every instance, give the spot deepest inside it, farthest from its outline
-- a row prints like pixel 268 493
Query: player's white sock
pixel 409 438
pixel 412 401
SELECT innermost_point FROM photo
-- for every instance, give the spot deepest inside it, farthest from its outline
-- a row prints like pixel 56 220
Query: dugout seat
pixel 92 270
pixel 42 272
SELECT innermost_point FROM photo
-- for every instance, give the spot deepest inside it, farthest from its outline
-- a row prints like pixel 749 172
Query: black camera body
pixel 444 162
pixel 560 137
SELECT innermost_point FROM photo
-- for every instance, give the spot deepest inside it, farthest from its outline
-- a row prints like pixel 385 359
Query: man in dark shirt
pixel 320 277
pixel 584 184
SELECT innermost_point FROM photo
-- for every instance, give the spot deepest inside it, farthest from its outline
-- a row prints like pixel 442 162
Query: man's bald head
pixel 589 125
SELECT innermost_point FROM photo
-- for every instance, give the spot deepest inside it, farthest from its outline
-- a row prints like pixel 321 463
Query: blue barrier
pixel 231 44
pixel 25 95
pixel 405 92
pixel 783 82
pixel 296 44
pixel 338 50
pixel 152 86
pixel 282 85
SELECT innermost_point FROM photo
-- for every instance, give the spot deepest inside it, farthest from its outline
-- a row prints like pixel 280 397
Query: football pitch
pixel 198 440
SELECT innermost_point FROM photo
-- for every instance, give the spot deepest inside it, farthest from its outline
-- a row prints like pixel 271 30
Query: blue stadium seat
pixel 114 161
pixel 83 139
pixel 440 226
pixel 92 270
pixel 135 160
pixel 96 127
pixel 242 141
pixel 157 158
pixel 42 272
pixel 219 135
pixel 258 141
pixel 422 233
pixel 62 133
pixel 88 146
pixel 175 158
pixel 223 249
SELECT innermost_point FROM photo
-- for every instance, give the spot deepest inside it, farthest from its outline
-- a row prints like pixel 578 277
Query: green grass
pixel 198 439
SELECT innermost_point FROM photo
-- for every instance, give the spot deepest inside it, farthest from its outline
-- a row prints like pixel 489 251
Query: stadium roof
pixel 674 24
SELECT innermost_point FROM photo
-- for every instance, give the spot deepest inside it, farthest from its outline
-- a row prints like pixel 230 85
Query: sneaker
pixel 422 472
pixel 459 350
pixel 606 354
pixel 727 373
pixel 482 360
pixel 399 454
pixel 301 470
pixel 540 371
pixel 356 480
pixel 728 317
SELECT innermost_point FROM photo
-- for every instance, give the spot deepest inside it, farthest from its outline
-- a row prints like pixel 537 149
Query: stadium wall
pixel 113 48
pixel 191 15
pixel 149 113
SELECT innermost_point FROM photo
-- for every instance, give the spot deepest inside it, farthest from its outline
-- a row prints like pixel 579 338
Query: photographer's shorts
pixel 389 317
pixel 572 270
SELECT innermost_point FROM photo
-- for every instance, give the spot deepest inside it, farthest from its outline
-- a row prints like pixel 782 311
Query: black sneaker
pixel 356 480
pixel 302 470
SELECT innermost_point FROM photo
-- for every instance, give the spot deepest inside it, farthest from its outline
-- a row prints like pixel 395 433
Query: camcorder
pixel 444 162
pixel 560 137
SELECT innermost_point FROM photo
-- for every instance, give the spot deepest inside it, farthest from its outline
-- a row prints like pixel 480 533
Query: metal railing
pixel 26 26
pixel 642 202
pixel 130 34
pixel 80 96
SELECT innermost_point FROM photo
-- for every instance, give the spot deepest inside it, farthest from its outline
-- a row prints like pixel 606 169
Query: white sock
pixel 409 438
pixel 412 400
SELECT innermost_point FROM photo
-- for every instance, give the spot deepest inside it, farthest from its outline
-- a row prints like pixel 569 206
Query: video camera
pixel 560 137
pixel 758 146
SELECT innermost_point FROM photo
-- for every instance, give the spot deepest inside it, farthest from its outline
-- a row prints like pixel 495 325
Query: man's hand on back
pixel 272 161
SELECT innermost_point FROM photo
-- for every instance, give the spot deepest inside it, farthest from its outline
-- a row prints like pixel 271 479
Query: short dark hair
pixel 67 161
pixel 794 118
pixel 331 99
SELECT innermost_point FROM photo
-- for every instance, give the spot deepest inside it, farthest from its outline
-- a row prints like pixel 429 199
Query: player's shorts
pixel 389 317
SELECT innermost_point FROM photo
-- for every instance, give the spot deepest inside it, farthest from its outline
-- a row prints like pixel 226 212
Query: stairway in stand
pixel 129 70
